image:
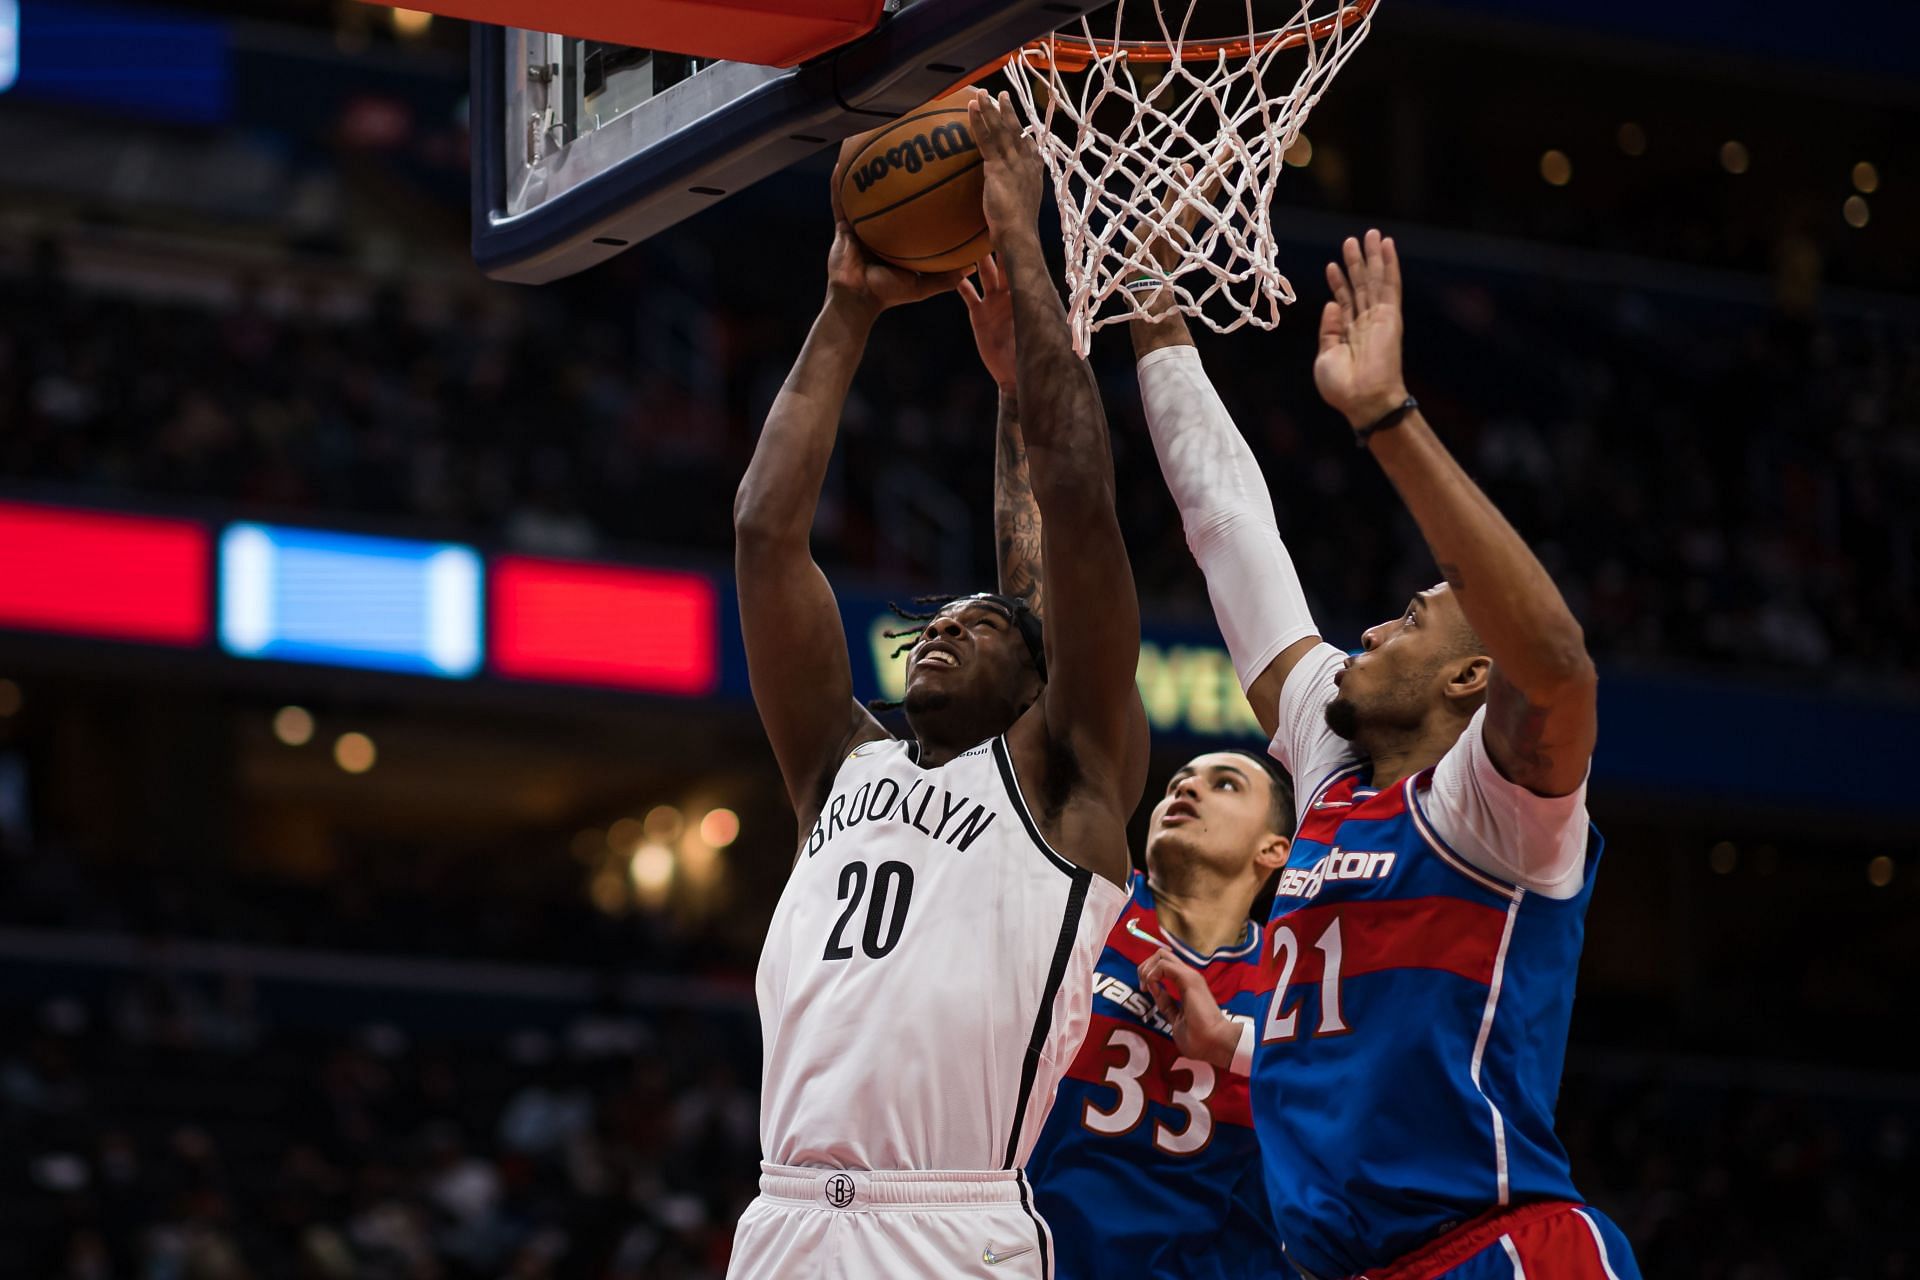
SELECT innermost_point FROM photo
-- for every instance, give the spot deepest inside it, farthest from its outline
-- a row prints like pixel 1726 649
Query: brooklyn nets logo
pixel 839 1191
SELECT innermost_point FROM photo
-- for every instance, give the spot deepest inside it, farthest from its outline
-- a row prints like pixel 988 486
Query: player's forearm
pixel 1225 510
pixel 1069 457
pixel 781 489
pixel 1016 517
pixel 1506 593
pixel 1153 335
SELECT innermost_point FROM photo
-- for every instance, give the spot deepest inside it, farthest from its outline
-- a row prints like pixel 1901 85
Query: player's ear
pixel 1272 854
pixel 1467 681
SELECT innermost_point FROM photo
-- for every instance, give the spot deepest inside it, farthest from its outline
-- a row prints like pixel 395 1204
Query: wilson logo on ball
pixel 943 142
pixel 911 189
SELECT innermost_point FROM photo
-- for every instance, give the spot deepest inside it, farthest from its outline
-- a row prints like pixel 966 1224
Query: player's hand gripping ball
pixel 1016 178
pixel 912 189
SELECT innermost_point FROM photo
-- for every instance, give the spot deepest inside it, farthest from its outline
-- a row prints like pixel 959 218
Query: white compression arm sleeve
pixel 1226 511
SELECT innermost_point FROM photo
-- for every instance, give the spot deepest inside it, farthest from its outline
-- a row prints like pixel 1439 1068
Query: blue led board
pixel 136 60
pixel 301 595
pixel 9 43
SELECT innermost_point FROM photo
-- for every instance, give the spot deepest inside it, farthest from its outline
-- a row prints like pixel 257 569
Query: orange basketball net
pixel 1165 156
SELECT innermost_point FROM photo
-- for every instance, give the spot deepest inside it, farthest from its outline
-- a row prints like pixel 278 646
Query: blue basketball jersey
pixel 1409 1058
pixel 1148 1166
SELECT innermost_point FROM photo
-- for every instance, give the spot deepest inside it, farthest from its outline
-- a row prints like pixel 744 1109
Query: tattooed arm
pixel 1016 531
pixel 1541 696
pixel 1081 744
pixel 1016 516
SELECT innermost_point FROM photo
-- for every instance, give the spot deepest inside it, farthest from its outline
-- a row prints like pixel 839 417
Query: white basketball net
pixel 1119 181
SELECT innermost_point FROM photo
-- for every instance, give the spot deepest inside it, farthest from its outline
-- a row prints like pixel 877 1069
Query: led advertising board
pixel 386 604
pixel 649 630
pixel 116 577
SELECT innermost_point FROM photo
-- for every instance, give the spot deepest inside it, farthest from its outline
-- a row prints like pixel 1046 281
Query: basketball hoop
pixel 1141 135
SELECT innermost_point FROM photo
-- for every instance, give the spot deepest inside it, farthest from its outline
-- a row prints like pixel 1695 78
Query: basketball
pixel 912 190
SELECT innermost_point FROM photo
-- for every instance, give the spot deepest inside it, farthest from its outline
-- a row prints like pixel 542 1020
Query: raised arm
pixel 1093 632
pixel 796 648
pixel 1016 517
pixel 1541 696
pixel 1225 510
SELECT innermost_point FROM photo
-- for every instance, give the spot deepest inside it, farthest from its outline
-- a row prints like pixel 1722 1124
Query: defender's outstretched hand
pixel 1015 177
pixel 1200 1029
pixel 857 275
pixel 990 308
pixel 1358 368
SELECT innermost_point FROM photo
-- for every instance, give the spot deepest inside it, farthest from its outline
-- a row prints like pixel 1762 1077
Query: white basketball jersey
pixel 928 973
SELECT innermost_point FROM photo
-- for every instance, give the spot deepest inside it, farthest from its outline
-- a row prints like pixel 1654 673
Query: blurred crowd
pixel 524 910
pixel 1719 1170
pixel 167 1132
pixel 1714 481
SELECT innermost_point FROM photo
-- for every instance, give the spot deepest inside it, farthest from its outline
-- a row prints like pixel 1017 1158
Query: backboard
pixel 582 148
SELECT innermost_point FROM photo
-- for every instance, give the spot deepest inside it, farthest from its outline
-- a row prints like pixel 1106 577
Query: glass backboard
pixel 582 148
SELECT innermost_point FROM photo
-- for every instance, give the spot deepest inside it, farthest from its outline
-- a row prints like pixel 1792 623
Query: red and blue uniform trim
pixel 1545 1240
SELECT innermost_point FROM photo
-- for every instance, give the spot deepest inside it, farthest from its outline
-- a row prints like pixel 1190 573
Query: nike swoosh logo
pixel 993 1259
pixel 1133 927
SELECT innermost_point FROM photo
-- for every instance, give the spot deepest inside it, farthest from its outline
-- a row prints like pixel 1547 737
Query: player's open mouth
pixel 1178 811
pixel 938 655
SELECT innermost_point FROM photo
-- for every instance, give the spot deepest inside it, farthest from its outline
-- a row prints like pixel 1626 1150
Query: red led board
pixel 643 629
pixel 118 577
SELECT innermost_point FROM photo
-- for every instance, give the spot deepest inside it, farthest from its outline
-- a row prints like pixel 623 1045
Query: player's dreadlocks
pixel 1018 611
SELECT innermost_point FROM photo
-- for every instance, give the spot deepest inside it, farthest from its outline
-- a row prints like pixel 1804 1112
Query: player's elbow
pixel 1568 649
pixel 1562 669
pixel 1227 526
pixel 757 519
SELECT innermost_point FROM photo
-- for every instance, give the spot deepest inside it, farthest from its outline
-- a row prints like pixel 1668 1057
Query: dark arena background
pixel 327 953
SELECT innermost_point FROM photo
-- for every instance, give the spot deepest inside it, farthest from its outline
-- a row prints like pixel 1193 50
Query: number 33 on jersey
pixel 1148 1165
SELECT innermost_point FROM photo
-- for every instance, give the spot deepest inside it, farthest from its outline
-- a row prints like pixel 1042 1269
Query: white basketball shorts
pixel 855 1224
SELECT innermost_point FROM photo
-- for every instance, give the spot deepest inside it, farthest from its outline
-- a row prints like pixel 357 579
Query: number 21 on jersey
pixel 1283 1024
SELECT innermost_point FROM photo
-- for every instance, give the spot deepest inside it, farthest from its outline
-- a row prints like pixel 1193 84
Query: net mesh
pixel 1136 133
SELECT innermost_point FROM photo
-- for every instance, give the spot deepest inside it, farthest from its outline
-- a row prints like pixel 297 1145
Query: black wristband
pixel 1393 418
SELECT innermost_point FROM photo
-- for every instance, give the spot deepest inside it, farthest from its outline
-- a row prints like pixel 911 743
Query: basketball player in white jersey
pixel 926 976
